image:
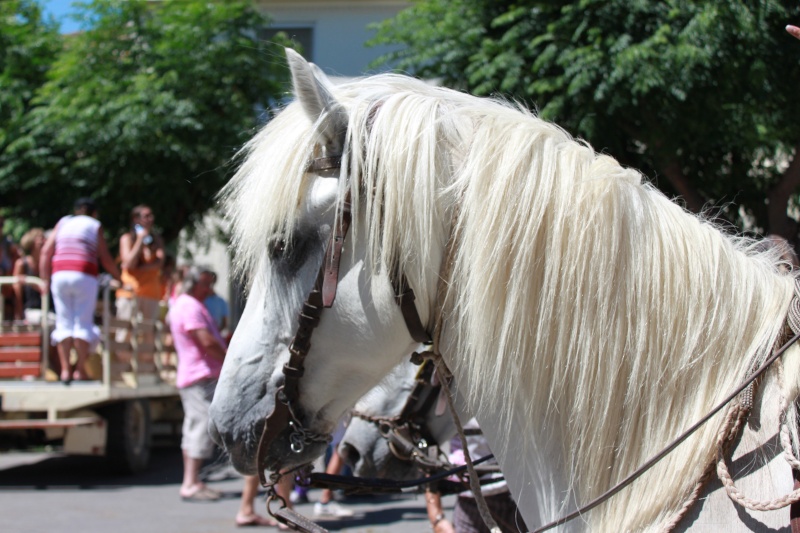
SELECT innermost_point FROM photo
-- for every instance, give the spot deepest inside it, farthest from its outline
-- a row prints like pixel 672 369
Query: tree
pixel 28 47
pixel 147 105
pixel 701 96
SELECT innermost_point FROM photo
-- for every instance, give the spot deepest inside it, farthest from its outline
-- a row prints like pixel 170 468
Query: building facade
pixel 333 34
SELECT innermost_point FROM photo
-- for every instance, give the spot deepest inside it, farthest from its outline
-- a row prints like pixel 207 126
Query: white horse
pixel 586 318
pixel 365 447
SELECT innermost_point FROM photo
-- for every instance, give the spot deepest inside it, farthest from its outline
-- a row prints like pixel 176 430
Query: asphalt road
pixel 53 493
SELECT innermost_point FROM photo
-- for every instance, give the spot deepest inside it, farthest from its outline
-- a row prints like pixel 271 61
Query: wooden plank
pixel 118 323
pixel 36 423
pixel 147 368
pixel 10 355
pixel 18 371
pixel 21 339
pixel 117 347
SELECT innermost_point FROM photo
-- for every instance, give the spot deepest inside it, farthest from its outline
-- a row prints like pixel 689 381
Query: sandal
pixel 203 495
pixel 255 520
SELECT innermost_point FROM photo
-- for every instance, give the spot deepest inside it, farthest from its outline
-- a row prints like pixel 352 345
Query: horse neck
pixel 537 451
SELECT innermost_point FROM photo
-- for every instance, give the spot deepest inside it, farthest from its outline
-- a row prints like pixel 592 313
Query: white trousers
pixel 74 298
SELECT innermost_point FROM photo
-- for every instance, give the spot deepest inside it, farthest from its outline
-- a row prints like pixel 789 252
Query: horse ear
pixel 312 89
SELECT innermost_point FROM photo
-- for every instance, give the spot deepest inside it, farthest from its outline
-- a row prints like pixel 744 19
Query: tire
pixel 129 436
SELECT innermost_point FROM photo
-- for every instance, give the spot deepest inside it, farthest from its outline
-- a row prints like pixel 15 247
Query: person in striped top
pixel 69 266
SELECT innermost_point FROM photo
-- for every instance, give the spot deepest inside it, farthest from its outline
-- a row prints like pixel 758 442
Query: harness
pixel 406 433
pixel 322 296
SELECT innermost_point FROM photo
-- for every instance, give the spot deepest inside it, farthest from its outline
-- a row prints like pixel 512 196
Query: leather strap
pixel 404 296
pixel 321 164
pixel 333 255
pixel 275 422
pixel 794 509
pixel 297 522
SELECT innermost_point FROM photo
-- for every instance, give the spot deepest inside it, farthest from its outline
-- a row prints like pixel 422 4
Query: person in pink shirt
pixel 201 352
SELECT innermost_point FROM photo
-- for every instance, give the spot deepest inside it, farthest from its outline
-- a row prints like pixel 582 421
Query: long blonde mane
pixel 578 291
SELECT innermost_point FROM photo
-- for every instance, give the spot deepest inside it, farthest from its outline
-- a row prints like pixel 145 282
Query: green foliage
pixel 28 47
pixel 148 105
pixel 705 91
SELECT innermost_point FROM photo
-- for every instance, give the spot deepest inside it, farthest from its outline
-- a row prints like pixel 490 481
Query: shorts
pixel 74 299
pixel 148 308
pixel 196 400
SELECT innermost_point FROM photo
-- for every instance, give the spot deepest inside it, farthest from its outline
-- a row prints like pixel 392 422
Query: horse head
pixel 404 410
pixel 283 214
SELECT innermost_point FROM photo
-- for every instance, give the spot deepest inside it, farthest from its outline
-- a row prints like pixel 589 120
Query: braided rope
pixel 793 321
pixel 730 429
pixel 786 439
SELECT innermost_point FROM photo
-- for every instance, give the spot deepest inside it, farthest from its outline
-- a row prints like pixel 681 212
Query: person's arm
pixel 793 31
pixel 19 270
pixel 209 343
pixel 105 257
pixel 439 523
pixel 129 251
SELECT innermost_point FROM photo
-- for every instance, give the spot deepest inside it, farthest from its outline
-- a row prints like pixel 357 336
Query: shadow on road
pixel 87 473
pixel 383 515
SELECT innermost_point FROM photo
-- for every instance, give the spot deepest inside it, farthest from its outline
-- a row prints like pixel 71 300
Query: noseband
pixel 322 295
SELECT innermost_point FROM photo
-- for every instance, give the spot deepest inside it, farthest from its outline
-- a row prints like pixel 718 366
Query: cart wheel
pixel 129 436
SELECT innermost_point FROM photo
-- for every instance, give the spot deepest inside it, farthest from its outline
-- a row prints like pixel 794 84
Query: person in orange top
pixel 142 254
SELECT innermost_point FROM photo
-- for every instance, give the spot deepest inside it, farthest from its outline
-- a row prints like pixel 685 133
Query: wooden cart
pixel 131 399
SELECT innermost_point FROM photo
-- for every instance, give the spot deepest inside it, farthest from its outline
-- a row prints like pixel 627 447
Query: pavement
pixel 48 492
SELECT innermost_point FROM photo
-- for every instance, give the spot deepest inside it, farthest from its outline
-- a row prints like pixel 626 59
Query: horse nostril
pixel 350 454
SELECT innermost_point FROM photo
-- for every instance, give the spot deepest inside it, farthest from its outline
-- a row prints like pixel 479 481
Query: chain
pixel 301 437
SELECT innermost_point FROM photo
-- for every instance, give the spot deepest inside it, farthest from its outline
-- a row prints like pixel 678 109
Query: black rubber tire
pixel 129 436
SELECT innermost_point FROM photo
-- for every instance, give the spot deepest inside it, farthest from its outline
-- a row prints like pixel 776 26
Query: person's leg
pixel 191 475
pixel 64 349
pixel 62 334
pixel 334 466
pixel 325 507
pixel 84 302
pixel 82 348
pixel 196 444
pixel 247 515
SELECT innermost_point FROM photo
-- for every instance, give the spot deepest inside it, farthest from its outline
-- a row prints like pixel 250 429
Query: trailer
pixel 130 400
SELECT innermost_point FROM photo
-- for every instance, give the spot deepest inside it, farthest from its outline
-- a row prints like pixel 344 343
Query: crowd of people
pixel 67 258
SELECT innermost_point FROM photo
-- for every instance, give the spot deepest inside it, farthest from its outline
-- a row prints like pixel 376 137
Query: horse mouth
pixel 278 455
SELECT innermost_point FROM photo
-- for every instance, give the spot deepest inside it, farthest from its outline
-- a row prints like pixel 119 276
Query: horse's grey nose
pixel 350 454
pixel 214 433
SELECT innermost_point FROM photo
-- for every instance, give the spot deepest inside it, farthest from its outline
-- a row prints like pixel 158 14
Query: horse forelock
pixel 579 295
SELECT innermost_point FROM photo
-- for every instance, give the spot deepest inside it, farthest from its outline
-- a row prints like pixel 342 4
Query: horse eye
pixel 277 248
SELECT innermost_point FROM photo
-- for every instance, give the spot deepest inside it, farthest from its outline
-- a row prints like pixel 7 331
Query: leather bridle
pixel 322 295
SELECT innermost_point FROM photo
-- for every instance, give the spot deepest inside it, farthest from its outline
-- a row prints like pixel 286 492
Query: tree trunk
pixel 779 221
pixel 675 175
